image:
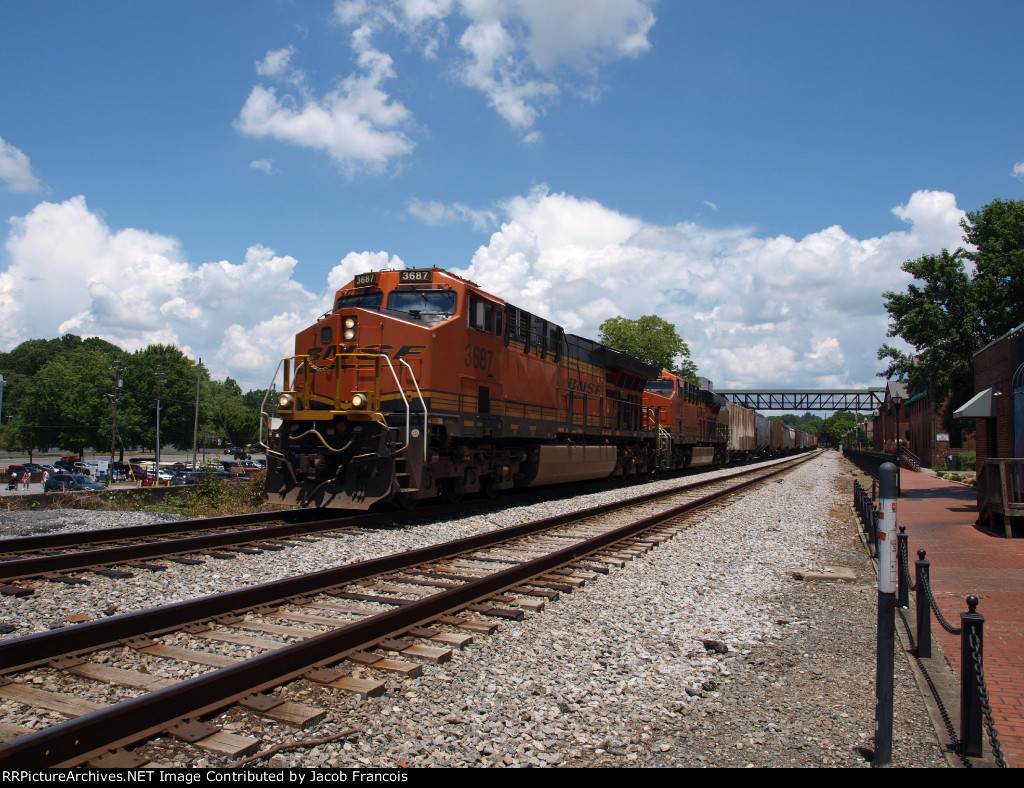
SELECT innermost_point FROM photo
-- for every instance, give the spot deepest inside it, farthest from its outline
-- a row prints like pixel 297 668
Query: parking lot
pixel 208 459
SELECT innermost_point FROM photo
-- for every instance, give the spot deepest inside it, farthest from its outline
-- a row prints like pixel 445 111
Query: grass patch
pixel 214 497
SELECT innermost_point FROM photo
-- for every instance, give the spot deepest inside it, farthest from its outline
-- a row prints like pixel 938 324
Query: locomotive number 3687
pixel 479 358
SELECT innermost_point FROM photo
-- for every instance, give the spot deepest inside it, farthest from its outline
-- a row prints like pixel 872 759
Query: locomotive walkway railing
pixel 975 707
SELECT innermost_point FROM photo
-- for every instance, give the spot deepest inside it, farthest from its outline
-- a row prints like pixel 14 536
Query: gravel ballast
pixel 706 651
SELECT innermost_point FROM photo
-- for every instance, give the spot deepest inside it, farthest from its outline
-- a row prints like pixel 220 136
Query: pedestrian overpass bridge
pixel 804 400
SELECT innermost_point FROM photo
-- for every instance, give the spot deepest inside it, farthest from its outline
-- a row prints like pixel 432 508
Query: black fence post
pixel 971 643
pixel 924 613
pixel 903 593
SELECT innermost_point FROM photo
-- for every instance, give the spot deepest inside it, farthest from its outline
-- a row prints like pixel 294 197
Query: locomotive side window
pixel 485 316
pixel 481 314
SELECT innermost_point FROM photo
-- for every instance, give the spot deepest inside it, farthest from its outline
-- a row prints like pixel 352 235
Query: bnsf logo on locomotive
pixel 326 354
pixel 584 387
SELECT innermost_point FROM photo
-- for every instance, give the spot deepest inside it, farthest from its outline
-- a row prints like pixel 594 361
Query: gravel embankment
pixel 615 674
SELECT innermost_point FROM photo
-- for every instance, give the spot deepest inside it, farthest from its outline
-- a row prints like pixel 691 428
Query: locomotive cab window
pixel 370 300
pixel 423 303
pixel 664 388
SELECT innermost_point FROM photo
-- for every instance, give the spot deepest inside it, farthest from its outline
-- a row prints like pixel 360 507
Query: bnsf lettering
pixel 584 388
pixel 326 354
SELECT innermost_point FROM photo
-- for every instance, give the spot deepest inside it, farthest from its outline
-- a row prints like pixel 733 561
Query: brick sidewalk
pixel 939 517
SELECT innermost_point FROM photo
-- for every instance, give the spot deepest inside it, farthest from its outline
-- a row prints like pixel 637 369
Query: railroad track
pixel 334 628
pixel 63 557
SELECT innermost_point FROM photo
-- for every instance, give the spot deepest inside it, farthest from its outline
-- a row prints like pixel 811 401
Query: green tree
pixel 836 426
pixel 65 405
pixel 940 319
pixel 650 339
pixel 948 313
pixel 158 373
pixel 809 423
pixel 996 238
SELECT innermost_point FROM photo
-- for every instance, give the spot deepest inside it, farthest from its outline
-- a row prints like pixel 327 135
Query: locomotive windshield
pixel 370 300
pixel 423 302
pixel 663 388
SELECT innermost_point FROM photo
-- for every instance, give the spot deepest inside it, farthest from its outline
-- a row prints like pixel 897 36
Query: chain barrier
pixel 935 607
pixel 923 587
pixel 905 566
pixel 986 706
pixel 954 739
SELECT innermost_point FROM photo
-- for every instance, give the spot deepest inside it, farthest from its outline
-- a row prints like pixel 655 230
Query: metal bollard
pixel 924 613
pixel 972 626
pixel 902 592
pixel 886 644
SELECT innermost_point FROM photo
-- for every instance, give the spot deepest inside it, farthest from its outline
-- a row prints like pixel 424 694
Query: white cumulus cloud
pixel 756 311
pixel 520 54
pixel 71 273
pixel 357 124
pixel 436 213
pixel 15 169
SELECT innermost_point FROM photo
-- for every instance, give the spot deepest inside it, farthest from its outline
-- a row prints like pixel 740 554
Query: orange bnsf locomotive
pixel 418 383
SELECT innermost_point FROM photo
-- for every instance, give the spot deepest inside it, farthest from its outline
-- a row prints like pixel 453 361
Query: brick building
pixel 998 411
pixel 885 418
pixel 928 437
pixel 920 426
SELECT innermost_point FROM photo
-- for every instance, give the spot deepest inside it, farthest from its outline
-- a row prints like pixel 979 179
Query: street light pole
pixel 897 400
pixel 159 395
pixel 113 425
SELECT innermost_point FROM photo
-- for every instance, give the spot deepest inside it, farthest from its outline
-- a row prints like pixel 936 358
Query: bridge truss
pixel 797 400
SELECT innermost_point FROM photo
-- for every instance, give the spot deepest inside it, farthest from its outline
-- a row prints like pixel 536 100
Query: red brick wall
pixel 991 367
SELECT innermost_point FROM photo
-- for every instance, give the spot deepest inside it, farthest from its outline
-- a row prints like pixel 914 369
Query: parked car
pixel 63 482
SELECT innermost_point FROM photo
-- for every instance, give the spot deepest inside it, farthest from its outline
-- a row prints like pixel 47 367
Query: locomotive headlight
pixel 358 400
pixel 286 401
pixel 348 329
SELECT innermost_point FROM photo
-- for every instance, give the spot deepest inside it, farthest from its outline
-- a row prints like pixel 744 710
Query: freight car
pixel 715 431
pixel 418 383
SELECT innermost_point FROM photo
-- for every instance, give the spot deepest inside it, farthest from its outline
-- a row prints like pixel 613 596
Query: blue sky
pixel 207 173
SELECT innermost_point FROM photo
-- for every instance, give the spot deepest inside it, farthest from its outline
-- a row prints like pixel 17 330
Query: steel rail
pixel 40 647
pixel 17 544
pixel 305 524
pixel 73 742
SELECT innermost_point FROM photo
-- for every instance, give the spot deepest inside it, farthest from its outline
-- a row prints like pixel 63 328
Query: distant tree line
pixel 62 393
